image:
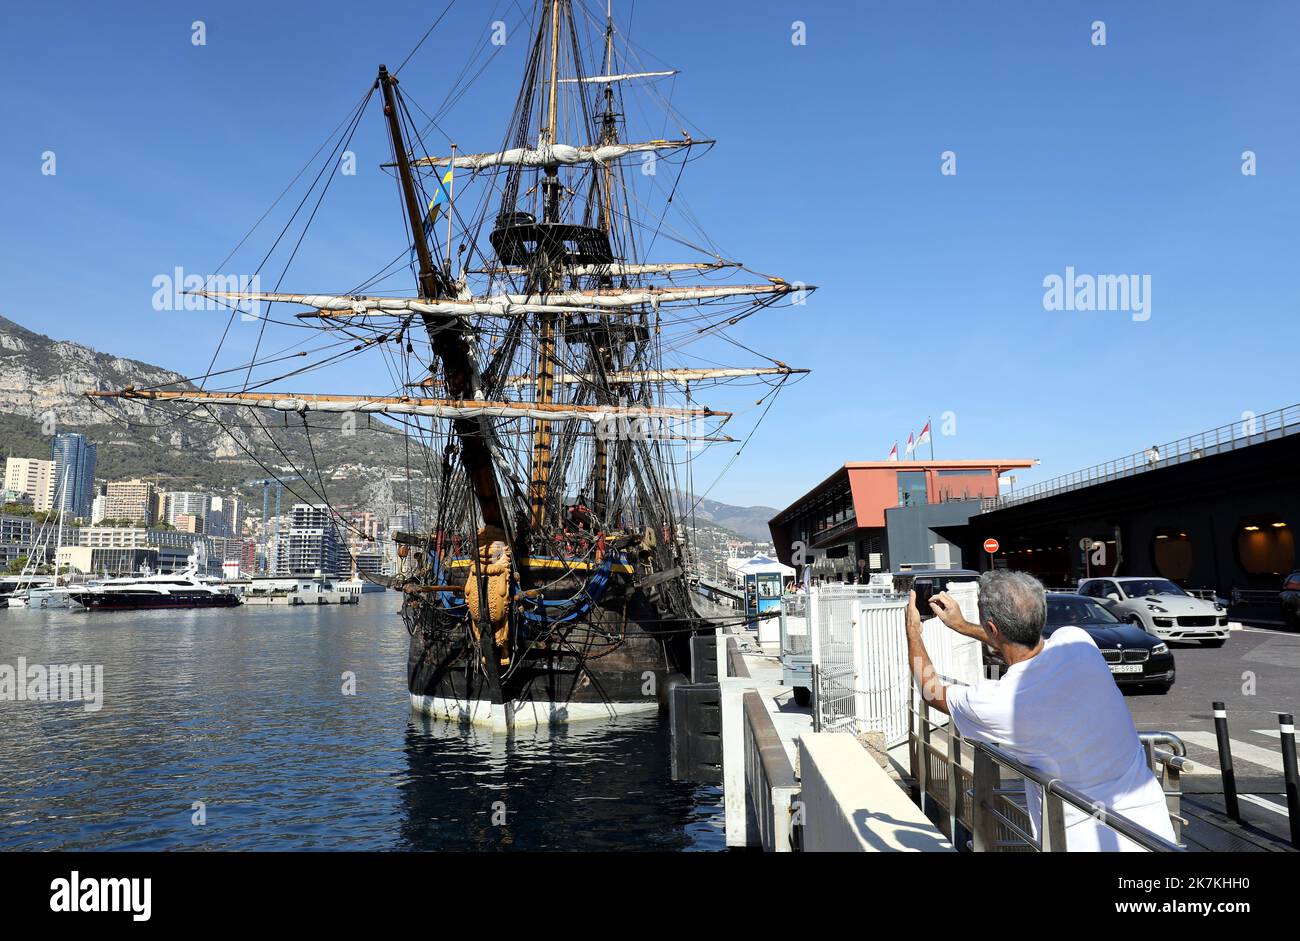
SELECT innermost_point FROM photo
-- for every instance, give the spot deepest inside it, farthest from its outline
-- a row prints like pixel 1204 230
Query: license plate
pixel 1126 668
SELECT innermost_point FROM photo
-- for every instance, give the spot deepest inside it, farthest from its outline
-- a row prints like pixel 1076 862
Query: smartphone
pixel 924 592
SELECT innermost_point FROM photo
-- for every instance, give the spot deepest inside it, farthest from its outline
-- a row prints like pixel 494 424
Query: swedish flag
pixel 441 194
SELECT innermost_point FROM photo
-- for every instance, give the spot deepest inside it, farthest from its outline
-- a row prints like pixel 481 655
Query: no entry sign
pixel 991 546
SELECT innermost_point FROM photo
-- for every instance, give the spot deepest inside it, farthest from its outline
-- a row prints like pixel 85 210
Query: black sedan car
pixel 1290 598
pixel 1135 657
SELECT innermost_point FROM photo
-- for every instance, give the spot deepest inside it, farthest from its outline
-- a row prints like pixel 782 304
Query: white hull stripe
pixel 500 717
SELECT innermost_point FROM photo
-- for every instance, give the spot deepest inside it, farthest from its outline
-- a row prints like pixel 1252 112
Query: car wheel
pixel 1163 689
pixel 1219 642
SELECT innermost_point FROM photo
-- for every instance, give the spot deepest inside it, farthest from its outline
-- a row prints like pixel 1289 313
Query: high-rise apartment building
pixel 33 477
pixel 130 500
pixel 74 473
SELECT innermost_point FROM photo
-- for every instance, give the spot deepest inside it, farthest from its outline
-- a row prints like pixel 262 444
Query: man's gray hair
pixel 1016 602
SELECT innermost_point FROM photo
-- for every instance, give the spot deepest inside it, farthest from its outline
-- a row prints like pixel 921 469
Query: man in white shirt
pixel 1056 709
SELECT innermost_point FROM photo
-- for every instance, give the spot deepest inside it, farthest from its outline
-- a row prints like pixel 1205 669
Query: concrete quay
pixel 788 788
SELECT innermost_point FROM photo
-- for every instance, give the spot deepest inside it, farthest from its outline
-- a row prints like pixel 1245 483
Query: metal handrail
pixel 1139 834
pixel 1242 433
pixel 983 797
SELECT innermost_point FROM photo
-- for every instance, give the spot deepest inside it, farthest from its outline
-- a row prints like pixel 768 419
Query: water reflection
pixel 586 786
pixel 243 710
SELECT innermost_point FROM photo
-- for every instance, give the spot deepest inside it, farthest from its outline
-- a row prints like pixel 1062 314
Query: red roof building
pixel 843 517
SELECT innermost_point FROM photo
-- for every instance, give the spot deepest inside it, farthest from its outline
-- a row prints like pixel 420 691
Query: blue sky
pixel 1122 159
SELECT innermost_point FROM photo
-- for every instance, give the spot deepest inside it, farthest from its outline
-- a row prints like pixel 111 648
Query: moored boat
pixel 175 590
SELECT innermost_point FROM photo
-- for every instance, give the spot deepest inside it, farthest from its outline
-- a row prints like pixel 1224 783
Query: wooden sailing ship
pixel 550 580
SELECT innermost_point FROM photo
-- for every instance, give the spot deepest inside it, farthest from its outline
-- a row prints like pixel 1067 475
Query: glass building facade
pixel 74 473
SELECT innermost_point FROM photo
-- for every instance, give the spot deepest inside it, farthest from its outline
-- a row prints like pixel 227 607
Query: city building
pixel 173 548
pixel 227 548
pixel 17 538
pixel 1215 510
pixel 74 462
pixel 130 500
pixel 225 517
pixel 113 562
pixel 248 558
pixel 158 507
pixel 313 543
pixel 840 528
pixel 188 523
pixel 18 497
pixel 97 509
pixel 186 503
pixel 368 559
pixel 33 477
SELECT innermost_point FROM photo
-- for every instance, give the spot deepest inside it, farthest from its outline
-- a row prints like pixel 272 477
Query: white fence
pixel 859 647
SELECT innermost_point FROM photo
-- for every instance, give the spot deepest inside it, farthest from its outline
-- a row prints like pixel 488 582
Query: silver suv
pixel 1160 607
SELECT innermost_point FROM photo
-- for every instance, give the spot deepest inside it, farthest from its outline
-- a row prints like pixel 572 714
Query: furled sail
pixel 554 155
pixel 404 405
pixel 594 301
pixel 660 375
pixel 623 77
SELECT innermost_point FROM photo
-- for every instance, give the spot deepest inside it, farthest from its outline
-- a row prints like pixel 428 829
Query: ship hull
pixel 127 602
pixel 599 668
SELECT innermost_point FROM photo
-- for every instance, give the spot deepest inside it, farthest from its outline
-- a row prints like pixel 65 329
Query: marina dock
pixel 789 787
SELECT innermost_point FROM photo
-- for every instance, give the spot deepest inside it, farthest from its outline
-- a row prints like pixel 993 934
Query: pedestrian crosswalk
pixel 1199 743
pixel 1276 805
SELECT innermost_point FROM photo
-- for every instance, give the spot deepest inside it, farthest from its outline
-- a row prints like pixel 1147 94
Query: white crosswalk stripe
pixel 1265 803
pixel 1271 733
pixel 1241 751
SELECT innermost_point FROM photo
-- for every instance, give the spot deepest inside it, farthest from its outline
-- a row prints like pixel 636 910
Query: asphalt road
pixel 1257 675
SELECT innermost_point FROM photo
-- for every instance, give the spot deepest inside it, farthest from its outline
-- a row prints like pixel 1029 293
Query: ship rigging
pixel 544 372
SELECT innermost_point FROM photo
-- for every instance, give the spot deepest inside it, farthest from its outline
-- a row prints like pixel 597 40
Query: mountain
pixel 748 521
pixel 44 380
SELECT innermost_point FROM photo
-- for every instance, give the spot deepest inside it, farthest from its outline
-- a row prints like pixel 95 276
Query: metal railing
pixel 796 639
pixel 859 647
pixel 1249 596
pixel 1255 430
pixel 997 819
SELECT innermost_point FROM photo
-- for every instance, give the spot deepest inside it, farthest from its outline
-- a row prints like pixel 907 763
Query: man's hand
pixel 922 669
pixel 946 610
pixel 913 616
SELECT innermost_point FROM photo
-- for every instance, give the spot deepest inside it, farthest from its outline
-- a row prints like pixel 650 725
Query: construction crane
pixel 265 483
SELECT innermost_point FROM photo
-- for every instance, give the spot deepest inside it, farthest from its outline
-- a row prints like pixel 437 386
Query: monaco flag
pixel 893 454
pixel 911 445
pixel 925 433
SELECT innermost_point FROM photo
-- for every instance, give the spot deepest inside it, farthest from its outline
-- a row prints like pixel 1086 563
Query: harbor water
pixel 268 728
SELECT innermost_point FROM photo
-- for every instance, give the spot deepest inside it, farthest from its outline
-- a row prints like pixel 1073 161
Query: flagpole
pixel 928 424
pixel 451 206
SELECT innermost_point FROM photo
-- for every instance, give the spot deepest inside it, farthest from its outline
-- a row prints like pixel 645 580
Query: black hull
pixel 125 602
pixel 602 666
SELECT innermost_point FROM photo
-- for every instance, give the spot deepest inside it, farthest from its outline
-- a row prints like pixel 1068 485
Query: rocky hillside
pixel 43 381
pixel 749 521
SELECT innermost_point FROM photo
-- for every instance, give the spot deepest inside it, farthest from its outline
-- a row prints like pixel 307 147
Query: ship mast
pixel 551 276
pixel 446 334
pixel 608 135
